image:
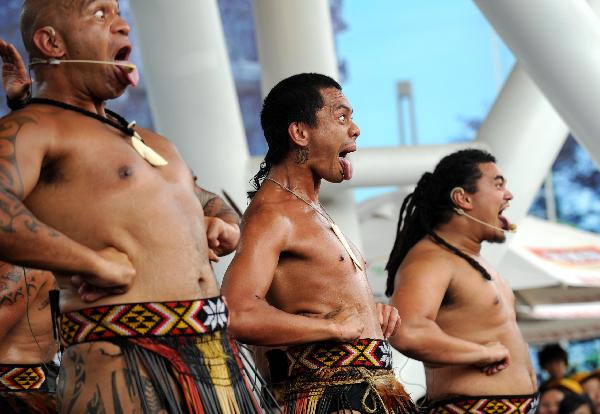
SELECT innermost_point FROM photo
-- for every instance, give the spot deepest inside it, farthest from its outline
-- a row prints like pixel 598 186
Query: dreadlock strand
pixel 410 231
pixel 474 263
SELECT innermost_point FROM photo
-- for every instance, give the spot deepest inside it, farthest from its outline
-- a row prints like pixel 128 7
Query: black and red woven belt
pixel 150 319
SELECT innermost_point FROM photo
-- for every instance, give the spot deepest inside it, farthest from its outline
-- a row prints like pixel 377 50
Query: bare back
pixel 25 325
pixel 97 190
pixel 470 310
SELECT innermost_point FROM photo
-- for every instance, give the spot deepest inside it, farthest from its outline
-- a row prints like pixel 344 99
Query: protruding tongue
pixel 130 71
pixel 347 168
pixel 506 225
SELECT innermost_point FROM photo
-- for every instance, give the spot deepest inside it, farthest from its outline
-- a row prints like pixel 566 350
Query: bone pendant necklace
pixel 334 227
pixel 138 144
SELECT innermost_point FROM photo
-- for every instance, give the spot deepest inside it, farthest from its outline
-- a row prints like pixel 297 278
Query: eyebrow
pixel 500 177
pixel 342 106
pixel 87 3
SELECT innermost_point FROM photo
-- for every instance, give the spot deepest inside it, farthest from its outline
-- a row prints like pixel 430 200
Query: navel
pixel 125 172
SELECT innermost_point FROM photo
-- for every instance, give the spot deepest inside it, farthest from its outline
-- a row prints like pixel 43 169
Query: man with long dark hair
pixel 457 313
pixel 296 280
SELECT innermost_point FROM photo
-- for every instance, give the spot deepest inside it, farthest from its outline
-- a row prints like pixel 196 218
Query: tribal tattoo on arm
pixel 215 206
pixel 14 216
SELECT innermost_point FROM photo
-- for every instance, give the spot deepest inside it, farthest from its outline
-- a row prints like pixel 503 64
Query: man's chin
pixel 334 180
pixel 499 237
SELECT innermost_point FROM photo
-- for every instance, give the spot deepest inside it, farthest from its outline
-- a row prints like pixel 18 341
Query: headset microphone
pixel 129 67
pixel 512 228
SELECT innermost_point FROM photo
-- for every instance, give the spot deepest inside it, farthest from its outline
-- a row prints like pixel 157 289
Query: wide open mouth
pixel 123 53
pixel 505 224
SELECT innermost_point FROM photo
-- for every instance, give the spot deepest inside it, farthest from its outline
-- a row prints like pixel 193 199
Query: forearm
pixel 26 241
pixel 261 324
pixel 429 344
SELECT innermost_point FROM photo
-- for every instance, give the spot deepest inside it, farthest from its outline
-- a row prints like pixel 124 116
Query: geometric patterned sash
pixel 148 319
pixel 514 404
pixel 21 377
pixel 368 353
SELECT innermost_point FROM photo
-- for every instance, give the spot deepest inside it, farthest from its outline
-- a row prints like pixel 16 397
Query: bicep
pixel 215 206
pixel 252 269
pixel 21 154
pixel 420 289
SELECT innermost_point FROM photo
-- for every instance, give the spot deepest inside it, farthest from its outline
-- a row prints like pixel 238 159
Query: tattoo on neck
pixel 301 155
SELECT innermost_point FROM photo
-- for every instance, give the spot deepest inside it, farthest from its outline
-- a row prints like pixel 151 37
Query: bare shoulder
pixel 269 214
pixel 153 139
pixel 29 121
pixel 427 260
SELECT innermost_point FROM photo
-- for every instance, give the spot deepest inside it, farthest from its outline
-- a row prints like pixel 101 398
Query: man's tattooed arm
pixel 15 218
pixel 215 206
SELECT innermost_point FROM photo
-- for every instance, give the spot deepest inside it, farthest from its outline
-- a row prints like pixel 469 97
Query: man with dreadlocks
pixel 83 195
pixel 457 312
pixel 295 279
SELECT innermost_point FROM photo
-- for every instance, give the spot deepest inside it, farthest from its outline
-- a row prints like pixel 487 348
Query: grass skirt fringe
pixel 327 390
pixel 201 374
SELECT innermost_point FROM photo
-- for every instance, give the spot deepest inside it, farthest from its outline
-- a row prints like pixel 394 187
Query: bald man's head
pixel 36 14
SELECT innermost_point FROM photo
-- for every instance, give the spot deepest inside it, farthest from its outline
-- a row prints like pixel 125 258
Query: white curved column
pixel 556 41
pixel 390 166
pixel 294 37
pixel 191 90
pixel 525 134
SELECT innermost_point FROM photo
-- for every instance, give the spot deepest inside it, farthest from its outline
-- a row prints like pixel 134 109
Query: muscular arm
pixel 420 288
pixel 215 206
pixel 248 280
pixel 25 240
pixel 221 221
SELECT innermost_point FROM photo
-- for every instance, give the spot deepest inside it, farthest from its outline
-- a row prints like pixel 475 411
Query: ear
pixel 461 199
pixel 298 134
pixel 48 42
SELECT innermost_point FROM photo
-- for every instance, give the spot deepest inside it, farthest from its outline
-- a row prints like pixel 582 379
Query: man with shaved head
pixel 115 213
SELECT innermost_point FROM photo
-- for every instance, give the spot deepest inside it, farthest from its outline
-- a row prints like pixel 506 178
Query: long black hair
pixel 430 205
pixel 294 99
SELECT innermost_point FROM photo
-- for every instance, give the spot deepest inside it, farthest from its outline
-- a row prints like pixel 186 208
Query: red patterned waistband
pixel 150 319
pixel 368 353
pixel 509 404
pixel 21 377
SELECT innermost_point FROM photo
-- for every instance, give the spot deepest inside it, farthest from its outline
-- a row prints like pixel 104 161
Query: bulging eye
pixel 99 14
pixel 342 117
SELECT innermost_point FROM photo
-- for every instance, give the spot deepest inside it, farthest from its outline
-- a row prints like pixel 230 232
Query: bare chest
pixel 96 172
pixel 472 297
pixel 319 265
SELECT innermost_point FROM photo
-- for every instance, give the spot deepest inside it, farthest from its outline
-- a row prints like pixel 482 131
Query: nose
pixel 121 26
pixel 354 131
pixel 508 195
